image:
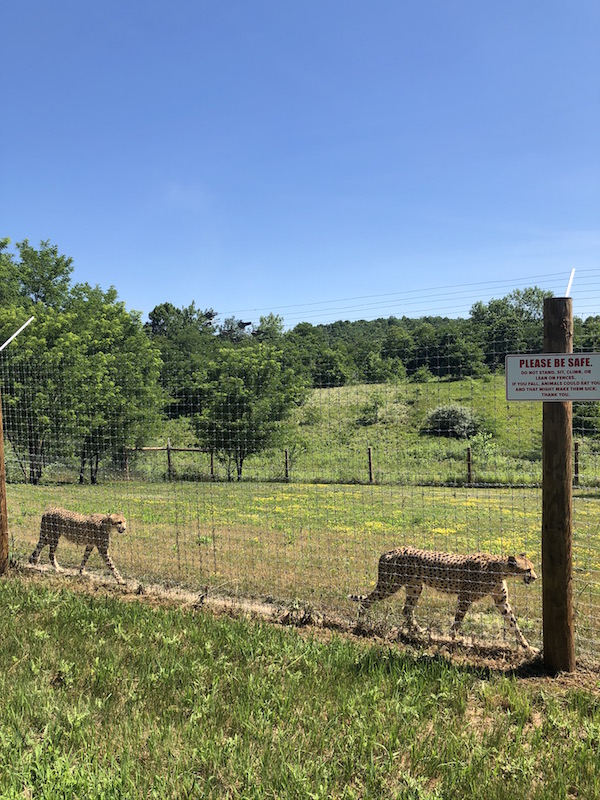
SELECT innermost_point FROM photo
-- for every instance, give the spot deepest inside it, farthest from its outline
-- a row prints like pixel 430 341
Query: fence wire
pixel 245 485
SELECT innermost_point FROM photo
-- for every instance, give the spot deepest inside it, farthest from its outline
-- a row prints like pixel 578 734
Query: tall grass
pixel 104 699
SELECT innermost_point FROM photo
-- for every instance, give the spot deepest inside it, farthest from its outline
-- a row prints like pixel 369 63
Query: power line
pixel 455 300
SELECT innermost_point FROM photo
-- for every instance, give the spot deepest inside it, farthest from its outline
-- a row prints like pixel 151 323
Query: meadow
pixel 109 699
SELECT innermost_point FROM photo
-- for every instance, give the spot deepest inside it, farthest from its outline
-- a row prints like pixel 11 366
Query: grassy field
pixel 107 699
pixel 330 436
pixel 339 425
pixel 314 544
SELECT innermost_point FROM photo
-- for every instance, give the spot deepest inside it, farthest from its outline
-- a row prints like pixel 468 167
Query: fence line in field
pixel 370 463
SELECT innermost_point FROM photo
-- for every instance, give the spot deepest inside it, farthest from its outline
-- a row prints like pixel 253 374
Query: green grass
pixel 328 440
pixel 105 699
pixel 339 425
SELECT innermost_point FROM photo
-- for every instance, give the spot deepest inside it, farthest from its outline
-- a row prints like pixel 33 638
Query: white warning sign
pixel 553 377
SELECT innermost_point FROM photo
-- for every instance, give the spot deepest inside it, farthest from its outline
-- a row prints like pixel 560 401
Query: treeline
pixel 430 347
pixel 91 380
pixel 374 351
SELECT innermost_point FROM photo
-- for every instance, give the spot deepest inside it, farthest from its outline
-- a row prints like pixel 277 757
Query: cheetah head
pixel 119 522
pixel 521 565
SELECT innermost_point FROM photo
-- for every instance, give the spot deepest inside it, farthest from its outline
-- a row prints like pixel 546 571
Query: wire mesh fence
pixel 259 478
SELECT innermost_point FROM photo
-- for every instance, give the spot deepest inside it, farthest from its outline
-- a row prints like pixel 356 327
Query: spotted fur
pixel 92 530
pixel 471 577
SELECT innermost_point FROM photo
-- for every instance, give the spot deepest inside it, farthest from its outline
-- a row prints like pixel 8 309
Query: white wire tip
pixel 568 291
pixel 16 333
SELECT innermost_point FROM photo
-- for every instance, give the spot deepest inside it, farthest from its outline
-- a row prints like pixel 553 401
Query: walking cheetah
pixel 93 530
pixel 471 577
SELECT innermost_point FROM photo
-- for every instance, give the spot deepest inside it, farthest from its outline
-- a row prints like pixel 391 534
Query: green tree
pixel 235 330
pixel 457 353
pixel 37 391
pixel 269 329
pixel 512 324
pixel 245 398
pixel 186 338
pixel 9 277
pixel 398 343
pixel 81 380
pixel 587 334
pixel 117 374
pixel 308 350
pixel 44 274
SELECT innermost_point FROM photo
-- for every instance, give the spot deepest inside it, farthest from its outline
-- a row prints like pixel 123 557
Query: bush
pixel 422 375
pixel 368 413
pixel 453 421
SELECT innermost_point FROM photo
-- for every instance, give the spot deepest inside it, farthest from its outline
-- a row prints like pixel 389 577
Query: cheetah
pixel 93 530
pixel 471 577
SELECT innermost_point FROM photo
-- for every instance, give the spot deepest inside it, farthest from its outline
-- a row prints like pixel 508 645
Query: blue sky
pixel 320 159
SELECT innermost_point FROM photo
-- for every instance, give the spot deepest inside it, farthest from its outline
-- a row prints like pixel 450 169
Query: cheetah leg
pixel 110 564
pixel 413 592
pixel 464 603
pixel 86 555
pixel 385 587
pixel 501 600
pixel 35 556
pixel 52 555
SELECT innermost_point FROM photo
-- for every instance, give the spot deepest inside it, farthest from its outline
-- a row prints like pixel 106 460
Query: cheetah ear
pixel 523 555
pixel 512 560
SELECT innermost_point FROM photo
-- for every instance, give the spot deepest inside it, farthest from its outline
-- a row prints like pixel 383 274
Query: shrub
pixel 422 375
pixel 454 421
pixel 368 413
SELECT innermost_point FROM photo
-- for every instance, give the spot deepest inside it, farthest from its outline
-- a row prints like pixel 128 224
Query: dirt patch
pixel 464 652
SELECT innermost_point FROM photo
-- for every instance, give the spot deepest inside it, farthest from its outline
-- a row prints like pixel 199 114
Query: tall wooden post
pixel 3 511
pixel 557 502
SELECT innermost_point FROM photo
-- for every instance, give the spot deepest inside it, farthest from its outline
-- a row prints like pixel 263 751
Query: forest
pixel 93 373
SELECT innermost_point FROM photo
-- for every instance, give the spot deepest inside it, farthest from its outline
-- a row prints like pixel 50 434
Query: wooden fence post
pixel 169 464
pixel 370 455
pixel 287 464
pixel 3 511
pixel 469 466
pixel 557 502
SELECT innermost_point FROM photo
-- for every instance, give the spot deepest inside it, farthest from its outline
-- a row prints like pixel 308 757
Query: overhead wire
pixel 452 300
